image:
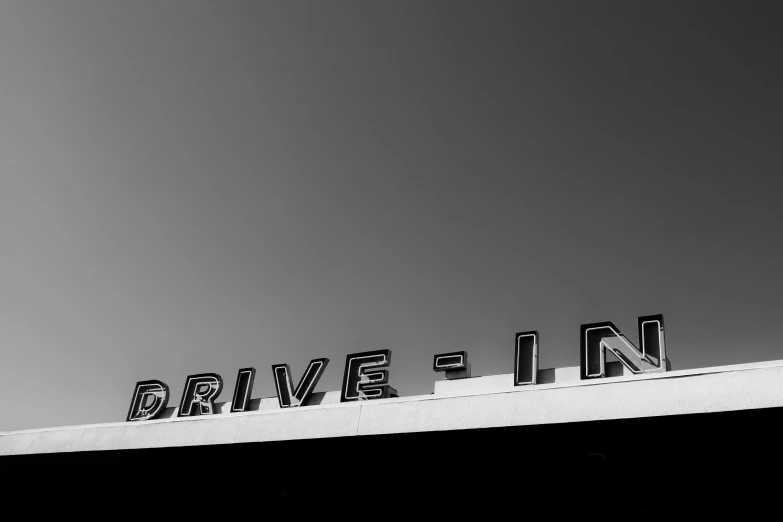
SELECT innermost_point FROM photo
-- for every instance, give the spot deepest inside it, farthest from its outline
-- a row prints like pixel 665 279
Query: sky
pixel 190 187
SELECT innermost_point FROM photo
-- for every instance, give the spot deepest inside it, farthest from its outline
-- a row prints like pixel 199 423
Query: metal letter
pixel 201 390
pixel 596 338
pixel 360 384
pixel 243 389
pixel 149 399
pixel 455 364
pixel 287 396
pixel 526 358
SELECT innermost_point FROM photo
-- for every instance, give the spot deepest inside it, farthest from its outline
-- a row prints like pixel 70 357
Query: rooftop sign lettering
pixel 366 374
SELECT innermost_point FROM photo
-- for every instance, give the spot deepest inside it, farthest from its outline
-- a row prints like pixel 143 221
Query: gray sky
pixel 192 187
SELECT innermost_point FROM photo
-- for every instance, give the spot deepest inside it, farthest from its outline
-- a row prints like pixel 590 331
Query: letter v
pixel 286 394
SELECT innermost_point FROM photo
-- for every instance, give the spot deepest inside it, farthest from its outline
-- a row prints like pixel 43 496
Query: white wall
pixel 480 402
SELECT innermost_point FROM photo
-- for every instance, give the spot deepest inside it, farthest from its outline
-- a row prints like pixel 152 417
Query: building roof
pixel 465 404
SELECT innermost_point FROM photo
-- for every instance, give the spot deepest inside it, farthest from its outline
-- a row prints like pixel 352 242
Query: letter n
pixel 596 338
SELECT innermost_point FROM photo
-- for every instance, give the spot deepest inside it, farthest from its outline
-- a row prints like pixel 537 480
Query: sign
pixel 595 339
pixel 366 374
pixel 454 364
pixel 242 389
pixel 149 399
pixel 198 397
pixel 293 398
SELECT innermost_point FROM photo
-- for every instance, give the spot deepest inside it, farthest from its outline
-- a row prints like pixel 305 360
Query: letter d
pixel 149 399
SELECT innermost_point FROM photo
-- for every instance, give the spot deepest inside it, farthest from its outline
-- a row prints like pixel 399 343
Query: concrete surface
pixel 478 402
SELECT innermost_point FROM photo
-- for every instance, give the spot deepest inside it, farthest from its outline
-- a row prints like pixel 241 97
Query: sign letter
pixel 363 380
pixel 287 396
pixel 201 391
pixel 526 358
pixel 455 364
pixel 149 399
pixel 243 389
pixel 596 338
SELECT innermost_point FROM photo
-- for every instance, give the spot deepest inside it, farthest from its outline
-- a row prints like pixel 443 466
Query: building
pixel 700 442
